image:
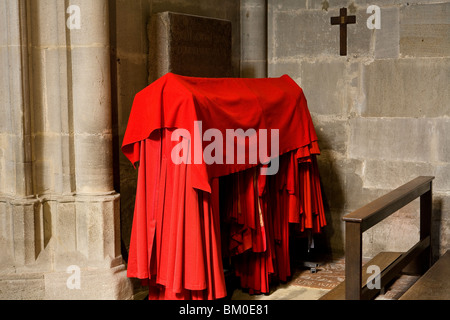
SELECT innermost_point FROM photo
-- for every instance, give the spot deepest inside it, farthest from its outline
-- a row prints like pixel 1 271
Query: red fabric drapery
pixel 176 242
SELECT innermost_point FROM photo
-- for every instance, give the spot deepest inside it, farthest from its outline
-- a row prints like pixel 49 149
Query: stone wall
pixel 381 112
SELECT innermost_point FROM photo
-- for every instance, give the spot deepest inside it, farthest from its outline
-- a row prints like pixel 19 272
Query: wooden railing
pixel 357 222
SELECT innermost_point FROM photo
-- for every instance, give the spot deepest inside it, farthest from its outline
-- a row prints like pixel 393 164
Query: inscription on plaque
pixel 190 46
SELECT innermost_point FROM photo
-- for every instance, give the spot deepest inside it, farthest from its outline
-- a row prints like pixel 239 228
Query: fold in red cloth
pixel 259 211
pixel 176 242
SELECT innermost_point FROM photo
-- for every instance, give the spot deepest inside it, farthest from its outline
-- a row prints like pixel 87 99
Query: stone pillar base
pixel 94 284
pixel 97 284
pixel 22 286
pixel 58 242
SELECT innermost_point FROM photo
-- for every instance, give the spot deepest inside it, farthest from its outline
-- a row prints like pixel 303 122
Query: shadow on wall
pixel 436 228
pixel 331 242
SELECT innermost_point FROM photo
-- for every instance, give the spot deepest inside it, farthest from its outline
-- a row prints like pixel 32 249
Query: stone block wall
pixel 381 112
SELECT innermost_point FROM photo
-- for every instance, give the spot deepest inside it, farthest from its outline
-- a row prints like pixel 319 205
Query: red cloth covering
pixel 178 102
pixel 176 242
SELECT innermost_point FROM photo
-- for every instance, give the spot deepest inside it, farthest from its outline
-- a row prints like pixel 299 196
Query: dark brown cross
pixel 343 20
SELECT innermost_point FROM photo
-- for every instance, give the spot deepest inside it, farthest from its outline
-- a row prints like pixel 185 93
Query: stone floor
pixel 284 292
pixel 306 285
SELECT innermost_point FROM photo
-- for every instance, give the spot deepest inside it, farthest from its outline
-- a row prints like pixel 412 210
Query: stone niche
pixel 189 45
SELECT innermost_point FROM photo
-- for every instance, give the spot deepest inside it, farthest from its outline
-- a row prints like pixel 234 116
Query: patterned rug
pixel 328 275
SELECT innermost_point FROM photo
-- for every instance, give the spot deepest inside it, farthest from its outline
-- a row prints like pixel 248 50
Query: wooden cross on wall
pixel 343 20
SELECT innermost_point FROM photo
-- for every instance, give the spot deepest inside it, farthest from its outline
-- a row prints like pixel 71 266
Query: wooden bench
pixel 434 284
pixel 390 264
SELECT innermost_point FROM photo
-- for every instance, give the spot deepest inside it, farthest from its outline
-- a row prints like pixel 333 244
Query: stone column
pixel 254 38
pixel 18 206
pixel 95 240
pixel 91 93
pixel 59 213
